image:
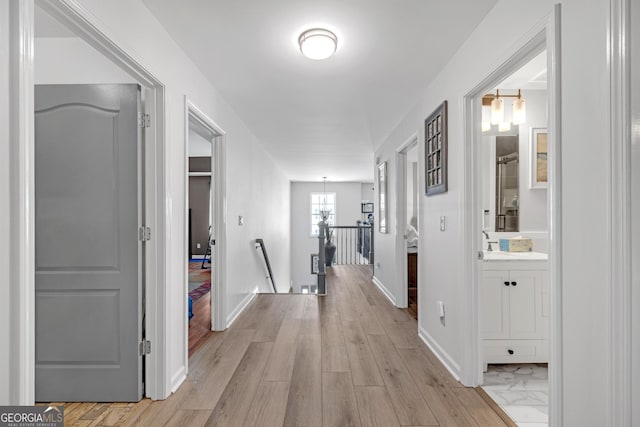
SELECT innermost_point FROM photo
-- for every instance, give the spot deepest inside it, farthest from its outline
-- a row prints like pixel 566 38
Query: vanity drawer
pixel 515 351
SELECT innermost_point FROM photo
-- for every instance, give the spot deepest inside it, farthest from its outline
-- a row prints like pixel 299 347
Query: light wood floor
pixel 200 324
pixel 347 359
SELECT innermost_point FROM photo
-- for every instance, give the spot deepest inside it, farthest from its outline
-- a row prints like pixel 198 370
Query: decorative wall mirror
pixel 382 197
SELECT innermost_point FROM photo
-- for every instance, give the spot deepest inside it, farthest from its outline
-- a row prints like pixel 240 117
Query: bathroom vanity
pixel 514 307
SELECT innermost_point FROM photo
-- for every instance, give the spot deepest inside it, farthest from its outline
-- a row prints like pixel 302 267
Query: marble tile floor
pixel 521 390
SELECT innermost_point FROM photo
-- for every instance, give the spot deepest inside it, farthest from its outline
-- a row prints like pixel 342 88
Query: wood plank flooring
pixel 200 324
pixel 347 359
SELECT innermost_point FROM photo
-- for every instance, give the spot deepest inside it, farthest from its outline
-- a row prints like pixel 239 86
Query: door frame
pixel 22 241
pixel 546 35
pixel 402 287
pixel 219 228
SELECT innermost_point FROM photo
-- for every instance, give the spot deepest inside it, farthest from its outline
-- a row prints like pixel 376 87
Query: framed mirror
pixel 382 197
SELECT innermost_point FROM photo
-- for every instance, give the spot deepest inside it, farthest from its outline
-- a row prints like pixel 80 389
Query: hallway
pixel 349 358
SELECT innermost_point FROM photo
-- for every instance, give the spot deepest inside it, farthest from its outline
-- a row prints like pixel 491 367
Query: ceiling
pixel 321 118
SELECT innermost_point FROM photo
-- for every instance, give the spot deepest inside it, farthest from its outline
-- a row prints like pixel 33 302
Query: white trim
pixel 384 290
pixel 207 174
pixel 402 283
pixel 242 306
pixel 619 365
pixel 178 378
pixel 440 353
pixel 75 17
pixel 22 273
pixel 545 35
pixel 554 198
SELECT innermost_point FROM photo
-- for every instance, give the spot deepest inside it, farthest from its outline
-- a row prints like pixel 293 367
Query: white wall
pixel 585 179
pixel 66 60
pixel 198 146
pixel 367 193
pixel 348 199
pixel 6 257
pixel 256 187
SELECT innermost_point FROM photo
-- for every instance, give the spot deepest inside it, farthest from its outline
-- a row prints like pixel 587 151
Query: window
pixel 319 202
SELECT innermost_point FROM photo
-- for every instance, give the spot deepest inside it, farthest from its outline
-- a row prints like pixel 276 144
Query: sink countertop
pixel 514 256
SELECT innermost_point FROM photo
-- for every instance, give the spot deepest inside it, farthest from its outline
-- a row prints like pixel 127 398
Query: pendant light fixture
pixel 497 109
pixel 519 110
pixel 324 212
pixel 318 43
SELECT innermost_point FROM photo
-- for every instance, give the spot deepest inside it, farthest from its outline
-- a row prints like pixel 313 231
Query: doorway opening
pixel 407 208
pixel 513 230
pixel 204 228
pixel 199 183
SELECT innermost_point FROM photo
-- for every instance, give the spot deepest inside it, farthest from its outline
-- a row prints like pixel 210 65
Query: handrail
pixel 260 242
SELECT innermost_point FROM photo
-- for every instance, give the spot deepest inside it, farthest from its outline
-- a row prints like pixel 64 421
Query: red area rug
pixel 199 280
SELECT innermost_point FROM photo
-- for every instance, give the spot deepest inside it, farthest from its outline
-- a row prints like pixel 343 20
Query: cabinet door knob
pixel 506 283
pixel 510 351
pixel 514 283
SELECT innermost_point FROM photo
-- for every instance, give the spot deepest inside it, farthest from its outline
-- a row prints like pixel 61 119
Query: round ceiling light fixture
pixel 318 43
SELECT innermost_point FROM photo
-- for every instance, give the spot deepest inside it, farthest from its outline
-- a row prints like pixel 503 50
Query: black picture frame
pixel 435 151
pixel 366 208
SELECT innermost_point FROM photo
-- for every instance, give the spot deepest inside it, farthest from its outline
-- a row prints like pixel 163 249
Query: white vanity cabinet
pixel 514 312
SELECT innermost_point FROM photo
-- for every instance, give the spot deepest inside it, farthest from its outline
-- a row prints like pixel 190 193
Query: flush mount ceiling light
pixel 318 43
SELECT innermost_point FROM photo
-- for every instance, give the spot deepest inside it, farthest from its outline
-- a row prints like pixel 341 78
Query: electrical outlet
pixel 240 220
pixel 198 245
pixel 443 223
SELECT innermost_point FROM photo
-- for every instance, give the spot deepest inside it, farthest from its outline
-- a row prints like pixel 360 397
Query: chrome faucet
pixel 489 242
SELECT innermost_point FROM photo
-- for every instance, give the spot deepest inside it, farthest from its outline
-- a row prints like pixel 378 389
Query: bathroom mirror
pixel 501 194
pixel 507 184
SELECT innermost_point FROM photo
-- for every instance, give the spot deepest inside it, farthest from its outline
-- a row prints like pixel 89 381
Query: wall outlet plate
pixel 443 223
pixel 240 220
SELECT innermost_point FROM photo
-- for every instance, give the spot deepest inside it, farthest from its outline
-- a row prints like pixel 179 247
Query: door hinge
pixel 144 234
pixel 145 347
pixel 144 120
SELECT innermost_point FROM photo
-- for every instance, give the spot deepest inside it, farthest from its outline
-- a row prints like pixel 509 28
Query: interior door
pixel 88 254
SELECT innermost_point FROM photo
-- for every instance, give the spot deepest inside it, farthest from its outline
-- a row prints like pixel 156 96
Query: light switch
pixel 441 309
pixel 443 223
pixel 240 220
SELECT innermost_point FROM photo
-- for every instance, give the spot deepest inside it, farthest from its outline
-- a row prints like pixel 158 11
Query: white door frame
pixel 546 35
pixel 219 226
pixel 79 20
pixel 402 283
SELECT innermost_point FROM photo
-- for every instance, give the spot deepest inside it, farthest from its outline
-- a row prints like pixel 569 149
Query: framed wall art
pixel 382 197
pixel 538 153
pixel 366 207
pixel 435 152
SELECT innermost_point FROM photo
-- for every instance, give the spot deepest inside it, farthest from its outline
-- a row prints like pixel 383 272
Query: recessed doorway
pixel 408 205
pixel 513 229
pixel 204 228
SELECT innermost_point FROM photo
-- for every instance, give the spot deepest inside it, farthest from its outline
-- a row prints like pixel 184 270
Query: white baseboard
pixel 178 378
pixel 240 308
pixel 384 290
pixel 443 356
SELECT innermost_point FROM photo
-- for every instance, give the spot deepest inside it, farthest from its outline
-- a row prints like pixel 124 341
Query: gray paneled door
pixel 88 255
